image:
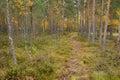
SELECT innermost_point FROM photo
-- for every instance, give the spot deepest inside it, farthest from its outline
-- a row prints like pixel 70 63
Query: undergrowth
pixel 101 65
pixel 43 63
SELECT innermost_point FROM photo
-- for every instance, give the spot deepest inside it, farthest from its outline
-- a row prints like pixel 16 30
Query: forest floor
pixel 70 57
pixel 74 68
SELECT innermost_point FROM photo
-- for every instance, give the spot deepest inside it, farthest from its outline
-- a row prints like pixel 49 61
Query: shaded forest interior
pixel 59 39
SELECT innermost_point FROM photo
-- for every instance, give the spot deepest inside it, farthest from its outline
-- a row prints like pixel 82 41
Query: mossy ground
pixel 50 53
pixel 42 63
pixel 101 65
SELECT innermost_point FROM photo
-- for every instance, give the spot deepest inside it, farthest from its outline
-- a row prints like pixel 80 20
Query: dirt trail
pixel 73 67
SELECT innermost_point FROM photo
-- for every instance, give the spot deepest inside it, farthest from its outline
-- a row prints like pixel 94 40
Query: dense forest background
pixel 59 39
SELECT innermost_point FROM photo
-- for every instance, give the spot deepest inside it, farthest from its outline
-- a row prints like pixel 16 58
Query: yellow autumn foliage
pixel 56 10
pixel 29 3
pixel 14 21
pixel 115 22
pixel 44 23
pixel 20 2
pixel 23 13
pixel 18 5
pixel 61 22
pixel 118 12
pixel 104 19
pixel 70 22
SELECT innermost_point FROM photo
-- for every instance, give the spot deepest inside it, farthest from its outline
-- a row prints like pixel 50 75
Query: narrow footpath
pixel 73 67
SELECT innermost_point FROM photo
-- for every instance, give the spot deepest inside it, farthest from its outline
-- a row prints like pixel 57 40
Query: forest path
pixel 74 68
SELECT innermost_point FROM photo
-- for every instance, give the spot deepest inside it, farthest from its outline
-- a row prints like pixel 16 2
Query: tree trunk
pixel 31 30
pixel 111 32
pixel 118 42
pixel 89 22
pixel 101 23
pixel 10 33
pixel 82 21
pixel 106 25
pixel 63 14
pixel 77 16
pixel 50 14
pixel 84 17
pixel 93 36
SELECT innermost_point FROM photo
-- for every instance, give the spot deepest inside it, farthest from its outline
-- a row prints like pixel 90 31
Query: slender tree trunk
pixel 82 18
pixel 26 30
pixel 93 36
pixel 10 33
pixel 44 21
pixel 81 24
pixel 89 22
pixel 80 21
pixel 77 17
pixel 111 32
pixel 101 23
pixel 31 30
pixel 106 25
pixel 118 42
pixel 43 28
pixel 84 14
pixel 50 16
pixel 26 18
pixel 63 14
pixel 96 17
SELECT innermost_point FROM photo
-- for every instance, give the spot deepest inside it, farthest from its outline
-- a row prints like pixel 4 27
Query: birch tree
pixel 106 25
pixel 10 32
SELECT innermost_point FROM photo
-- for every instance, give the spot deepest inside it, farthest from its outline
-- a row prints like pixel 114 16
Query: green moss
pixel 102 65
pixel 100 76
pixel 42 64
